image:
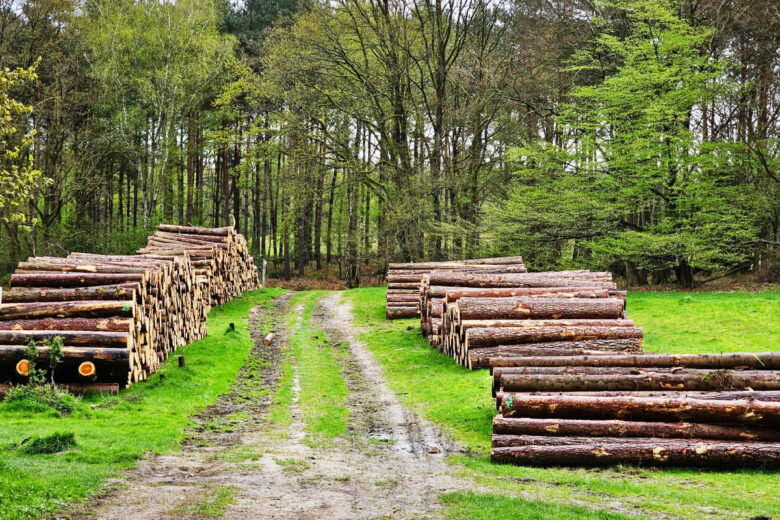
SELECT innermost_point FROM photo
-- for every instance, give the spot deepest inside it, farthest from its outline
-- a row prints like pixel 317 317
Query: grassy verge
pixel 459 401
pixel 322 396
pixel 707 322
pixel 111 433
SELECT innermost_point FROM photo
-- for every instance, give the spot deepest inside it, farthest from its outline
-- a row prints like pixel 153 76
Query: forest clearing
pixel 451 259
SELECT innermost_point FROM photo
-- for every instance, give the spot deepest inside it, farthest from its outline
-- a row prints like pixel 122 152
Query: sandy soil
pixel 390 465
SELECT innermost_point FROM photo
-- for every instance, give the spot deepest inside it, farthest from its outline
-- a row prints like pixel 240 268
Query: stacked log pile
pixel 475 316
pixel 403 280
pixel 120 316
pixel 691 410
pixel 220 257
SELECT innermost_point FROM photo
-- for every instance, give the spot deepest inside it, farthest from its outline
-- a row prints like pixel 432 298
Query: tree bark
pixel 615 428
pixel 764 413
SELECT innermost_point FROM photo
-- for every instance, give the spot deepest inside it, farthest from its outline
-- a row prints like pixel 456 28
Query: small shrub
pixel 40 398
pixel 54 443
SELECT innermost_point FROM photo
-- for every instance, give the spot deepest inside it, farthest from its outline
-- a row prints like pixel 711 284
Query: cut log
pixel 616 428
pixel 87 372
pixel 193 230
pixel 471 279
pixel 401 312
pixel 23 367
pixel 641 408
pixel 76 338
pixel 600 452
pixel 757 360
pixel 73 279
pixel 103 292
pixel 481 357
pixel 684 379
pixel 465 325
pixel 268 339
pixel 75 353
pixel 76 309
pixel 490 337
pixel 524 307
pixel 86 324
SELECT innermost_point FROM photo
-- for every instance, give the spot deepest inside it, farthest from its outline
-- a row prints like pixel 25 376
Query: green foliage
pixel 39 398
pixel 18 176
pixel 49 444
pixel 54 355
pixel 631 180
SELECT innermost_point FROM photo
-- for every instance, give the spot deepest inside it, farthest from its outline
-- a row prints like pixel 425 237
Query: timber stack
pixel 474 317
pixel 220 257
pixel 403 280
pixel 119 317
pixel 714 410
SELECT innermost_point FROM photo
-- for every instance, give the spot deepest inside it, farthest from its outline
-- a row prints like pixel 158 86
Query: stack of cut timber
pixel 220 256
pixel 656 409
pixel 118 316
pixel 475 316
pixel 403 280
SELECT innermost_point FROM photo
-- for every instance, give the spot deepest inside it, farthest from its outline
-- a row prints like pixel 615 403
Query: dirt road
pixel 239 464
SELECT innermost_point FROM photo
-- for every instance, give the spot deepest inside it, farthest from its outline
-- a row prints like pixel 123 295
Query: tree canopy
pixel 632 135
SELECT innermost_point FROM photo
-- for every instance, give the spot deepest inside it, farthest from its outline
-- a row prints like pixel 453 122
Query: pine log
pixel 403 297
pixel 73 279
pixel 44 294
pixel 75 309
pixel 481 357
pixel 74 353
pixel 86 324
pixel 616 428
pixel 685 379
pixel 472 279
pixel 400 312
pixel 599 452
pixel 465 325
pixel 87 372
pixel 641 408
pixel 75 338
pixel 34 268
pixel 490 337
pixel 469 308
pixel 193 230
pixel 757 360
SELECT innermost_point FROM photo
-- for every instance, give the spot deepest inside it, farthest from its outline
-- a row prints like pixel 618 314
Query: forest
pixel 636 136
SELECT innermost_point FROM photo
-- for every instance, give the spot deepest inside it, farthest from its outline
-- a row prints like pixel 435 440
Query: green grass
pixel 212 504
pixel 707 322
pixel 473 506
pixel 113 432
pixel 323 391
pixel 459 401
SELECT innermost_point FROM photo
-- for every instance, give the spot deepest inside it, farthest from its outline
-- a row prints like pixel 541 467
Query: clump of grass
pixel 39 398
pixel 212 504
pixel 54 443
pixel 293 466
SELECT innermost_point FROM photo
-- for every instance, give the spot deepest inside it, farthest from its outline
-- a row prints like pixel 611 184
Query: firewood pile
pixel 474 316
pixel 403 280
pixel 121 316
pixel 716 410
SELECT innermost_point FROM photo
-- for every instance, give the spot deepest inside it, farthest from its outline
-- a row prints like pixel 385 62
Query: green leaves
pixel 632 180
pixel 18 178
